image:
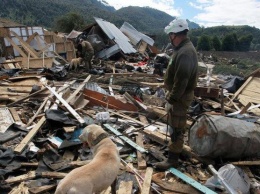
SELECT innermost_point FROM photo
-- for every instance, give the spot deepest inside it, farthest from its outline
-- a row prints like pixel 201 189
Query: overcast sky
pixel 204 12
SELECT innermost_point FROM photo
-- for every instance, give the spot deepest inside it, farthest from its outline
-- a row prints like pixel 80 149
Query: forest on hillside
pixel 64 16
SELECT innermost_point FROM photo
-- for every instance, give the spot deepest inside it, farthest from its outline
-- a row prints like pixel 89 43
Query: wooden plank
pixel 37 112
pixel 22 99
pixel 25 45
pixel 15 115
pixel 245 108
pixel 130 98
pixel 20 147
pixel 15 179
pixel 57 175
pixel 253 94
pixel 249 99
pixel 68 107
pixel 81 86
pixel 143 119
pixel 125 187
pixel 247 163
pixel 127 117
pixel 42 189
pixel 37 62
pixel 30 38
pixel 32 174
pixel 140 160
pixel 147 181
pixel 241 88
pixel 16 47
pixel 173 186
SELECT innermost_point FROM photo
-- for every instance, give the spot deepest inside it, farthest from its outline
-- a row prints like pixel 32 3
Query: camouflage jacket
pixel 182 73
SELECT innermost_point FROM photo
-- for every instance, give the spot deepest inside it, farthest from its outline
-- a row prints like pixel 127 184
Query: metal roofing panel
pixel 115 34
pixel 106 53
pixel 134 35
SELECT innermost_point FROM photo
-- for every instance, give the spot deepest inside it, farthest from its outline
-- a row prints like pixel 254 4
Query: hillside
pixel 45 12
pixel 222 31
pixel 147 20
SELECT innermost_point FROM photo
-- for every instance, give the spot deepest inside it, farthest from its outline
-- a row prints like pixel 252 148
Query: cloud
pixel 163 5
pixel 226 12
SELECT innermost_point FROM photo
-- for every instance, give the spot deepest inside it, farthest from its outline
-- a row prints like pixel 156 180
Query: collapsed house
pixel 42 118
pixel 31 47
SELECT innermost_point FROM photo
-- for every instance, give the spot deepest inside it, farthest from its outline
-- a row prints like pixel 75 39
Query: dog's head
pixel 91 134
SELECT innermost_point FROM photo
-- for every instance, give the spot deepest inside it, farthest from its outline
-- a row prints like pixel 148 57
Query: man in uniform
pixel 87 53
pixel 180 81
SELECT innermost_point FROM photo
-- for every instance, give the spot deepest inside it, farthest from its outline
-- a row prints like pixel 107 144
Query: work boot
pixel 171 161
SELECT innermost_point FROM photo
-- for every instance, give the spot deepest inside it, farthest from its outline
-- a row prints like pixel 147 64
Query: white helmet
pixel 177 25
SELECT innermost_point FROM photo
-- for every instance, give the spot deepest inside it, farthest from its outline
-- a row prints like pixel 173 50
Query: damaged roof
pixel 134 35
pixel 115 34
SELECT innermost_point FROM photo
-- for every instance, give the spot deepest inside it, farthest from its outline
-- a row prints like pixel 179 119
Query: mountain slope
pixel 45 12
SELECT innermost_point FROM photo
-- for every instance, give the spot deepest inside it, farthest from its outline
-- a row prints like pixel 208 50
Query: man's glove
pixel 168 106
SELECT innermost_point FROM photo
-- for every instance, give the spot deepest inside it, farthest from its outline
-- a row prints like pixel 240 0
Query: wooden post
pixel 147 181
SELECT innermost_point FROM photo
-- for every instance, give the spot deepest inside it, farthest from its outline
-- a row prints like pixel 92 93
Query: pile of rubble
pixel 43 112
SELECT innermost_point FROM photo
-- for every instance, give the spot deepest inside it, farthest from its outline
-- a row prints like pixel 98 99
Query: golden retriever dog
pixel 74 64
pixel 101 172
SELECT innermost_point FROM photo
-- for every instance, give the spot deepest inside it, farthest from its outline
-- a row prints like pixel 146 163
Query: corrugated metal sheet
pixel 73 34
pixel 106 53
pixel 134 35
pixel 115 34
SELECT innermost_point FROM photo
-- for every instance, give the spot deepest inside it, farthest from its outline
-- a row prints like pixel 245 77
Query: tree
pixel 69 22
pixel 229 43
pixel 194 40
pixel 216 44
pixel 245 42
pixel 204 43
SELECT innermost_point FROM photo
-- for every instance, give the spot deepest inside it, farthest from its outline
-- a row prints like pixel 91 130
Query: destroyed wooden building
pixel 31 47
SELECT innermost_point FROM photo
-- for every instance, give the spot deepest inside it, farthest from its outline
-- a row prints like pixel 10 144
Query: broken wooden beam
pixel 22 99
pixel 247 163
pixel 21 146
pixel 81 86
pixel 32 174
pixel 147 181
pixel 125 187
pixel 140 160
pixel 42 189
pixel 37 112
pixel 68 107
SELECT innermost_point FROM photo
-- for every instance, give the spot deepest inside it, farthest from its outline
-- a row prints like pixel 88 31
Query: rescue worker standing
pixel 180 81
pixel 87 53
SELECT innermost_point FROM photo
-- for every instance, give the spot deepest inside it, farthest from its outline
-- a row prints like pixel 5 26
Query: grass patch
pixel 242 68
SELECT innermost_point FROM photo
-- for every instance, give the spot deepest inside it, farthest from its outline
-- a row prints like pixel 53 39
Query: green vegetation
pixel 243 68
pixel 231 38
pixel 66 15
pixel 204 43
pixel 69 22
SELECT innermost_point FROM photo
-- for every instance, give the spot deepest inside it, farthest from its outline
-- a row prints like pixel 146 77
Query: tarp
pixel 218 136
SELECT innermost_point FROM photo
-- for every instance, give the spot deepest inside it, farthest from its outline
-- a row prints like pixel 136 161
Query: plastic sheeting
pixel 233 84
pixel 217 136
pixel 234 177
